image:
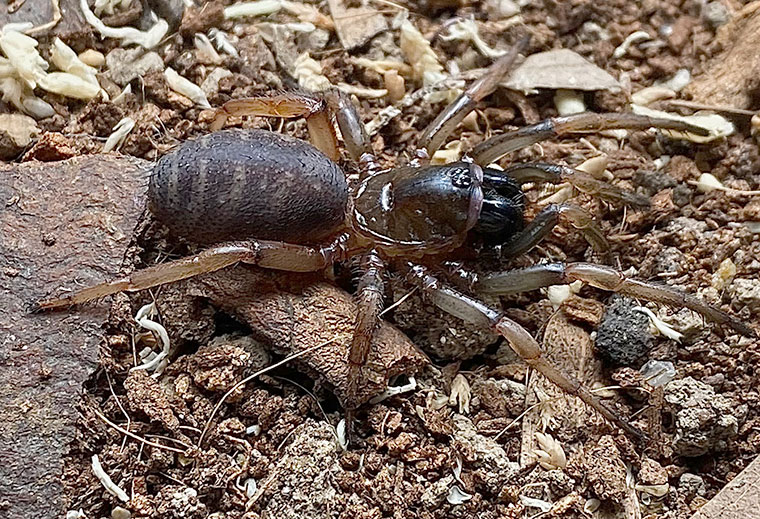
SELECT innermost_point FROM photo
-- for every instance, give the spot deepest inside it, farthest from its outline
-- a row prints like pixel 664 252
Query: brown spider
pixel 270 200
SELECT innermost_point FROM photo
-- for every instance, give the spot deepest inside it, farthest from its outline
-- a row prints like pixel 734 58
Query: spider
pixel 265 199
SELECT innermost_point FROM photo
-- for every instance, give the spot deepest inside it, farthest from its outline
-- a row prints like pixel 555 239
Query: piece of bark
pixel 62 225
pixel 356 25
pixel 732 76
pixel 569 348
pixel 739 499
pixel 293 312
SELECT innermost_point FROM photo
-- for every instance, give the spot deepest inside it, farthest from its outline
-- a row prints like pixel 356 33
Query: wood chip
pixel 560 68
pixel 298 311
pixel 731 77
pixel 740 499
pixel 356 25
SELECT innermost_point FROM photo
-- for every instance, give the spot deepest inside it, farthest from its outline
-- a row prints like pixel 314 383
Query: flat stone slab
pixel 62 225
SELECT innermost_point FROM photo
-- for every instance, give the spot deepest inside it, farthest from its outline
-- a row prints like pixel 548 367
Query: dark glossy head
pixel 501 215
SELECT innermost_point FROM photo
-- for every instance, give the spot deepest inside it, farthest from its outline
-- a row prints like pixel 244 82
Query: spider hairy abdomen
pixel 242 184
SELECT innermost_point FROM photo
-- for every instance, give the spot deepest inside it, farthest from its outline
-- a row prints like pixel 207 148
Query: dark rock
pixel 170 10
pixel 654 181
pixel 623 337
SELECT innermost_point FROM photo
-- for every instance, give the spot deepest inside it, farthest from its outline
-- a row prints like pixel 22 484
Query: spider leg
pixel 499 145
pixel 541 226
pixel 267 254
pixel 555 174
pixel 471 310
pixel 442 126
pixel 353 133
pixel 287 105
pixel 605 278
pixel 369 304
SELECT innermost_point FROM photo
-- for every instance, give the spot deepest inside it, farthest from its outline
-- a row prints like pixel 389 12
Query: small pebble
pixel 716 14
pixel 120 513
pixel 92 58
pixel 746 292
pixel 16 133
pixel 658 373
pixel 704 421
pixel 691 485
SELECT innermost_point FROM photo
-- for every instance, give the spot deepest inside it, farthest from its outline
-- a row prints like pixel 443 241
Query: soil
pixel 480 436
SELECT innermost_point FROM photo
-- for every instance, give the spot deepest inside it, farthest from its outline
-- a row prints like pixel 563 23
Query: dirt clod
pixel 491 460
pixel 220 364
pixel 606 470
pixel 145 395
pixel 178 502
pixel 652 473
pixel 704 421
pixel 301 483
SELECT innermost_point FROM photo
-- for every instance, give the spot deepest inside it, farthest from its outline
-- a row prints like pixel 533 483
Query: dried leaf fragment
pixel 466 29
pixel 649 95
pixel 356 25
pixel 560 69
pixel 258 8
pixel 457 496
pixel 450 153
pixel 308 72
pixel 460 394
pixel 106 480
pixel 23 57
pixel 186 87
pixel 661 326
pixel 383 66
pixel 632 38
pixel 114 142
pixel 309 13
pixel 68 85
pixel 129 35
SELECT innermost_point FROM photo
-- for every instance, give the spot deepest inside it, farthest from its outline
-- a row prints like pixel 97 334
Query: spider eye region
pixel 461 178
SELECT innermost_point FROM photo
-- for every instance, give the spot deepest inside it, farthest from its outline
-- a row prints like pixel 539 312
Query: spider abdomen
pixel 240 184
